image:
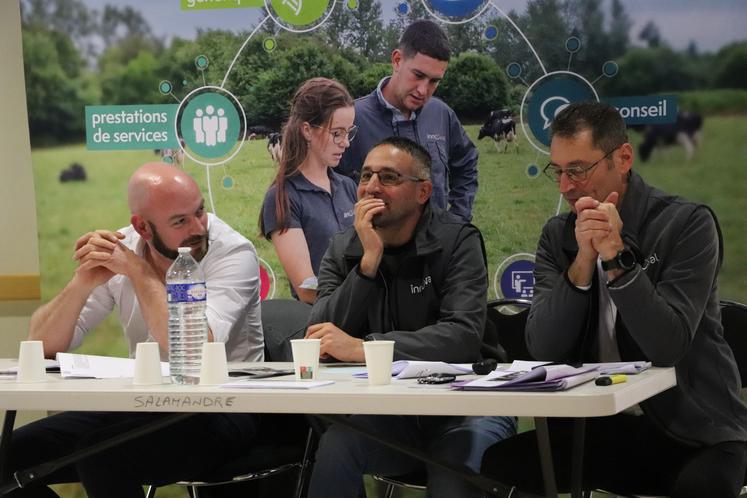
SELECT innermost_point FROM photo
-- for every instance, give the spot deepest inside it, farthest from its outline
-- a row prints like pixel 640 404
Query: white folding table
pixel 347 395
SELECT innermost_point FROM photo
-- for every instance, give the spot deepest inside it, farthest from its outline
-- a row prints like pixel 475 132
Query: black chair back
pixel 285 442
pixel 734 321
pixel 509 325
pixel 283 320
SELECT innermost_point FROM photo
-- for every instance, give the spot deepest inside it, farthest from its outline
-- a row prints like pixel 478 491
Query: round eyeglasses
pixel 340 134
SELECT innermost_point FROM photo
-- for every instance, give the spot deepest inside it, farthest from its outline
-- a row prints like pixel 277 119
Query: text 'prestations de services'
pixel 130 127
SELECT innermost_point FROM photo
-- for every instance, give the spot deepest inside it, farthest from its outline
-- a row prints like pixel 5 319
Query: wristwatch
pixel 624 260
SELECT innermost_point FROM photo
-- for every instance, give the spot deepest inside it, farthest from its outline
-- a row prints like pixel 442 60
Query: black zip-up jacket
pixel 433 306
pixel 667 311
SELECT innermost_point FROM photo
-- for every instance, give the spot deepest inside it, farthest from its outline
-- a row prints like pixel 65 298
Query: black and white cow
pixel 685 131
pixel 258 131
pixel 500 126
pixel 273 146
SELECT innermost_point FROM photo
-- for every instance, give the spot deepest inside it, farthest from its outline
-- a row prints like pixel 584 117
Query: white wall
pixel 19 253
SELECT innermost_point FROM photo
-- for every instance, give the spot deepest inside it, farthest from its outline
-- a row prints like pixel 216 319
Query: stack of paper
pixel 541 378
pixel 622 367
pixel 99 367
pixel 407 369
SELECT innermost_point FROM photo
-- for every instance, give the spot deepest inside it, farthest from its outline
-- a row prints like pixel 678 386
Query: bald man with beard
pixel 126 269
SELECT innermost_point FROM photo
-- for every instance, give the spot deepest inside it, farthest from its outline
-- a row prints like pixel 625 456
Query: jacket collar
pixel 385 105
pixel 426 242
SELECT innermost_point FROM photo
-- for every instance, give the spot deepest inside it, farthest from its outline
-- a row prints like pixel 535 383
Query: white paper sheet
pixel 623 367
pixel 525 365
pixel 99 367
pixel 277 384
pixel 407 369
pixel 546 378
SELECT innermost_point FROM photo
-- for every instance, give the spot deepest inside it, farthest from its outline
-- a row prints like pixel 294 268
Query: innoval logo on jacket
pixel 417 289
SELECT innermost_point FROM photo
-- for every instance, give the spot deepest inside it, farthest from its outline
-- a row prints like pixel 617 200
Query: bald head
pixel 153 185
pixel 168 210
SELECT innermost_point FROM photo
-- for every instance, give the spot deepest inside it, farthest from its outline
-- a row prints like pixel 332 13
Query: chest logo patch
pixel 417 289
pixel 650 260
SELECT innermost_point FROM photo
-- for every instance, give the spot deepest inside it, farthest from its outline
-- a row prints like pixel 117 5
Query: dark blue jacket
pixel 437 128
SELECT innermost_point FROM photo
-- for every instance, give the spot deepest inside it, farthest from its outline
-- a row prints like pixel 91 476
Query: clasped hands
pixel 101 255
pixel 598 228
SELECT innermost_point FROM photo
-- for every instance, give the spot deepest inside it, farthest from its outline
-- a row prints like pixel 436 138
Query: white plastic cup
pixel 306 358
pixel 214 368
pixel 379 355
pixel 31 362
pixel 147 364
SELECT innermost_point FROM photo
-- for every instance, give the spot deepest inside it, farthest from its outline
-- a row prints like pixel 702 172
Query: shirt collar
pixel 300 182
pixel 396 113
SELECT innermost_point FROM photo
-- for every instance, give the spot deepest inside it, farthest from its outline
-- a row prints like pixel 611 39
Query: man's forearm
pixel 344 301
pixel 580 272
pixel 54 323
pixel 151 296
pixel 560 307
pixel 369 265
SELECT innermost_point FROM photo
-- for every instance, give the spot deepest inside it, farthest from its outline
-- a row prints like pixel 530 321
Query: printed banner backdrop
pixel 202 83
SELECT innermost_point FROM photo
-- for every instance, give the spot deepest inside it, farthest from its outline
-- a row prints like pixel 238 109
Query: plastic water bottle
pixel 186 295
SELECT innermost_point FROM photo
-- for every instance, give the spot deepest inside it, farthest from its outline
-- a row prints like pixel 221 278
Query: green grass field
pixel 510 208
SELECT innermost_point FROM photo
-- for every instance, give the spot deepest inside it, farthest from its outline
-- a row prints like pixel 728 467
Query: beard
pixel 165 251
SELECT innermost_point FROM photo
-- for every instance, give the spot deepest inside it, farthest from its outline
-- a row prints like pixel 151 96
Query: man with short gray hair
pixel 629 274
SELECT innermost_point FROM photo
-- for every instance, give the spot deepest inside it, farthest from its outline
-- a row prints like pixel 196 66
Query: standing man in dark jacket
pixel 402 105
pixel 413 273
pixel 631 274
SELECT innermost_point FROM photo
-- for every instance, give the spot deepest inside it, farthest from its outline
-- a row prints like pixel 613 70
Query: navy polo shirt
pixel 320 214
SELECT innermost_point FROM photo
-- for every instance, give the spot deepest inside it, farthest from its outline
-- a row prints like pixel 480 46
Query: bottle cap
pixel 184 250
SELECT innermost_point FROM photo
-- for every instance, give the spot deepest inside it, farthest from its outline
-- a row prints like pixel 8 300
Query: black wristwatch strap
pixel 623 260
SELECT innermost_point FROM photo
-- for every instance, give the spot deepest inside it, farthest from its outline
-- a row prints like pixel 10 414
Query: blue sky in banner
pixel 711 23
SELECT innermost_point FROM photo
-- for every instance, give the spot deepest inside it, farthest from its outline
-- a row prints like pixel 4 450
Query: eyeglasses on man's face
pixel 340 134
pixel 387 177
pixel 576 174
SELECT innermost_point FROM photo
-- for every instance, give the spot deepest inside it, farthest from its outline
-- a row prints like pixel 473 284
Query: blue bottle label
pixel 186 293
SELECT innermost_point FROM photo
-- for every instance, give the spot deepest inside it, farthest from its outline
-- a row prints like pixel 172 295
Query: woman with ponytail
pixel 308 201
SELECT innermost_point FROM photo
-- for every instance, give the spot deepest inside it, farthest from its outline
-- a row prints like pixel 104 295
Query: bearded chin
pixel 172 254
pixel 163 250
